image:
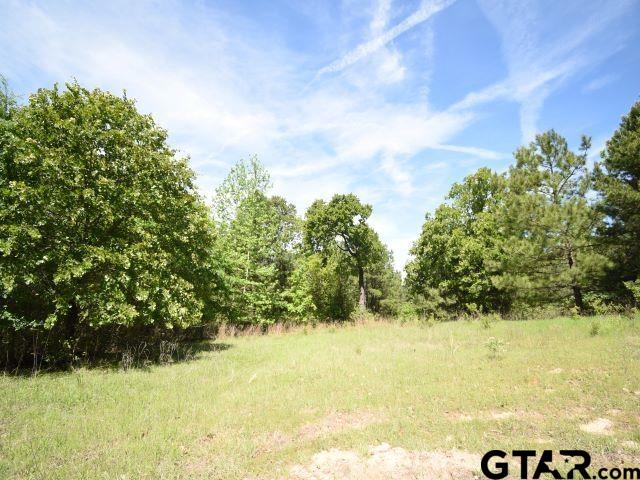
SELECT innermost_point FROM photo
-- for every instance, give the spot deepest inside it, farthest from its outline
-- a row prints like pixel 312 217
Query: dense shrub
pixel 101 228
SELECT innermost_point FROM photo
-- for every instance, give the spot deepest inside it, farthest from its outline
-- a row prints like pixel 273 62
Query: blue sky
pixel 393 100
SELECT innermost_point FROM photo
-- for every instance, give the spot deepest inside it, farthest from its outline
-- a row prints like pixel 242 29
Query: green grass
pixel 226 414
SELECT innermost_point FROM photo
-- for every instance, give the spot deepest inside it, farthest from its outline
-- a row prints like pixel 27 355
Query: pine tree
pixel 550 253
pixel 618 181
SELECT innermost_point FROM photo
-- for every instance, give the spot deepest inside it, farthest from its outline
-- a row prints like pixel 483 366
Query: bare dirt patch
pixel 502 415
pixel 494 415
pixel 385 462
pixel 459 417
pixel 333 423
pixel 272 442
pixel 542 441
pixel 631 444
pixel 599 426
pixel 338 422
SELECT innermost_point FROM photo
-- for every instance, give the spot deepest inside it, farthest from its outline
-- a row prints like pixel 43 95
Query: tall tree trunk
pixel 362 301
pixel 577 297
pixel 577 291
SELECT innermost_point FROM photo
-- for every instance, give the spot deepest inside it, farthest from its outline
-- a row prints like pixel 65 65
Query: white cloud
pixel 540 60
pixel 599 82
pixel 226 89
pixel 399 173
pixel 380 17
pixel 474 151
pixel 426 10
pixel 390 69
pixel 223 98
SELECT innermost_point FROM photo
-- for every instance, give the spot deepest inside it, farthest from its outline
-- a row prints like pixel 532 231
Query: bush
pixel 430 304
pixel 496 347
pixel 407 312
pixel 487 320
pixel 362 316
pixel 634 288
pixel 601 304
pixel 101 229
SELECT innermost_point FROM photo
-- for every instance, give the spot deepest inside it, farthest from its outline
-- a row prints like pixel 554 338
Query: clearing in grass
pixel 336 403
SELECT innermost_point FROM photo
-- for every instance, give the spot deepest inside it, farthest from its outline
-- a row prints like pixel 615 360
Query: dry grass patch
pixel 494 415
pixel 385 462
pixel 337 422
pixel 333 423
pixel 599 426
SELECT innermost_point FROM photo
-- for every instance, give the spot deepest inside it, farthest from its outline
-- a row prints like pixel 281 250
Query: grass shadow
pixel 139 356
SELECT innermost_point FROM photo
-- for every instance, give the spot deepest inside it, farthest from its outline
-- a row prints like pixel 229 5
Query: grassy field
pixel 254 406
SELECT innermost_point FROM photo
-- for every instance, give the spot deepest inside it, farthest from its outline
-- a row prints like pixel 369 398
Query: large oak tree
pixel 342 224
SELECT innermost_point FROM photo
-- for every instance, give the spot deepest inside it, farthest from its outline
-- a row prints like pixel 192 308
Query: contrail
pixel 427 10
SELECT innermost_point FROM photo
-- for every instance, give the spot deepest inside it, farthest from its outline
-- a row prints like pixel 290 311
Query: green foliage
pixel 331 284
pixel 618 181
pixel 244 180
pixel 525 238
pixel 362 316
pixel 407 312
pixel 258 236
pixel 449 256
pixel 430 304
pixel 385 292
pixel 550 251
pixel 594 329
pixel 487 320
pixel 100 223
pixel 103 235
pixel 273 278
pixel 634 288
pixel 496 347
pixel 342 224
pixel 299 295
pixel 602 303
pixel 7 100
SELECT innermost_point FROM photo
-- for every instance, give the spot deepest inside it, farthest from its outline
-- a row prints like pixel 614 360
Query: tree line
pixel 105 240
pixel 550 232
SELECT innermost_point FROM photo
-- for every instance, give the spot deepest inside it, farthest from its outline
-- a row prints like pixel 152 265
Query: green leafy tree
pixel 385 293
pixel 7 99
pixel 298 296
pixel 618 181
pixel 259 235
pixel 450 255
pixel 100 222
pixel 550 252
pixel 342 224
pixel 331 284
pixel 244 179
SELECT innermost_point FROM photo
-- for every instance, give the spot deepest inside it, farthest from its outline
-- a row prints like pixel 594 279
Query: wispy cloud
pixel 599 82
pixel 227 85
pixel 426 11
pixel 474 151
pixel 399 173
pixel 540 61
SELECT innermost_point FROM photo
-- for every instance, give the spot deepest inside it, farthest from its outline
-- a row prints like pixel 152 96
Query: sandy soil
pixel 386 462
